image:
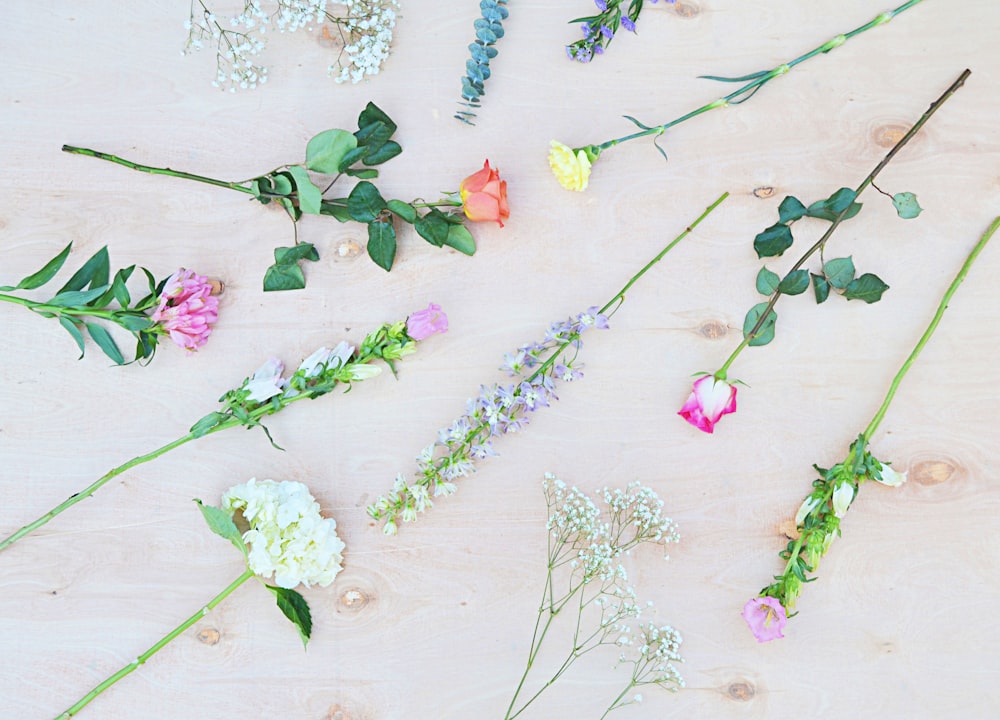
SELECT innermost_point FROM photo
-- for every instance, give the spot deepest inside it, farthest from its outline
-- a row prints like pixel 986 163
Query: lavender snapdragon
pixel 500 409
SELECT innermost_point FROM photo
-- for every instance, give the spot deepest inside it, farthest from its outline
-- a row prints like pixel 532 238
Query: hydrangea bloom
pixel 288 538
pixel 187 309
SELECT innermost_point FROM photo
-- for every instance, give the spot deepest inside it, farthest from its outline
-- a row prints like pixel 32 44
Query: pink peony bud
pixel 710 399
pixel 766 618
pixel 187 309
pixel 424 323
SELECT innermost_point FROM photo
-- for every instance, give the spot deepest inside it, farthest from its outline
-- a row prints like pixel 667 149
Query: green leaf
pixel 352 157
pixel 39 278
pixel 262 189
pixel 76 298
pixel 372 137
pixel 362 173
pixel 382 243
pixel 830 208
pixel 291 255
pixel 284 277
pixel 118 287
pixel 461 239
pixel 295 608
pixel 283 183
pixel 374 114
pixel 403 210
pixel 365 203
pixel 135 323
pixel 868 287
pixel 310 196
pixel 766 332
pixel 293 211
pixel 906 205
pixel 790 209
pixel 432 227
pixel 839 271
pixel 387 151
pixel 73 330
pixel 794 283
pixel 105 342
pixel 221 523
pixel 95 271
pixel 334 210
pixel 767 281
pixel 325 151
pixel 213 419
pixel 821 288
pixel 773 241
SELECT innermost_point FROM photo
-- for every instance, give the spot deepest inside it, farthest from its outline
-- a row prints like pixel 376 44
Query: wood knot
pixel 209 636
pixel 336 712
pixel 348 249
pixel 713 330
pixel 888 135
pixel 932 472
pixel 765 191
pixel 740 691
pixel 686 10
pixel 354 599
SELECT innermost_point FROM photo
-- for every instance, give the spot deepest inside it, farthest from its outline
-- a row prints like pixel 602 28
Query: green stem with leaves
pixel 821 243
pixel 141 660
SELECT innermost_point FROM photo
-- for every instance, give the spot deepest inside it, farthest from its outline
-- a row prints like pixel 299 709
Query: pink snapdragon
pixel 766 618
pixel 424 323
pixel 710 399
pixel 187 309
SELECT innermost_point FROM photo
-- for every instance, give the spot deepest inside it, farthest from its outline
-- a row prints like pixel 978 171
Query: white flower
pixel 808 505
pixel 892 478
pixel 842 498
pixel 288 538
pixel 266 382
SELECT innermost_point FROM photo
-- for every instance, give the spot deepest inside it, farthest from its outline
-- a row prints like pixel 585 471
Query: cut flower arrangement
pixel 481 197
pixel 286 537
pixel 183 306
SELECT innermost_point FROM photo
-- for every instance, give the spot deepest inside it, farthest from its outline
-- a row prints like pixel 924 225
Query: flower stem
pixel 759 79
pixel 155 170
pixel 748 337
pixel 942 306
pixel 139 661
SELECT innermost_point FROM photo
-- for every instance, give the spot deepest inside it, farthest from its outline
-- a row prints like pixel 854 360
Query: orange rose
pixel 484 195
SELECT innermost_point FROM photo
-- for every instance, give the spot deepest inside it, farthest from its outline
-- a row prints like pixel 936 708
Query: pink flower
pixel 266 381
pixel 187 309
pixel 710 399
pixel 424 323
pixel 766 618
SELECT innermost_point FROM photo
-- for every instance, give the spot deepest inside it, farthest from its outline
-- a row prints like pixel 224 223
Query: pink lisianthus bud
pixel 710 399
pixel 766 618
pixel 187 309
pixel 424 323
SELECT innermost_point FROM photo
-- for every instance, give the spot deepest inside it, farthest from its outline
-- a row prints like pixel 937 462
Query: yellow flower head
pixel 572 170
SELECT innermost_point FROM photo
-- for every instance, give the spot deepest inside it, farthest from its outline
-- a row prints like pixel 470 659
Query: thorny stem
pixel 952 89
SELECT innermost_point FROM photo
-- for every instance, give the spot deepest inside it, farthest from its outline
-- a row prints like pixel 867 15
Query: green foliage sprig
pixel 337 153
pixel 489 29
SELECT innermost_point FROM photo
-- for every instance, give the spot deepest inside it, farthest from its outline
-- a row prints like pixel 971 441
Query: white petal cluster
pixel 288 538
pixel 369 25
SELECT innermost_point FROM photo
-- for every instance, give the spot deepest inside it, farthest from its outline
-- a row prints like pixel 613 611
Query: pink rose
pixel 710 399
pixel 766 618
pixel 424 323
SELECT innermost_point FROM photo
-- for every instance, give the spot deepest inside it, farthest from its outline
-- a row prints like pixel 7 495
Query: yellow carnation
pixel 572 170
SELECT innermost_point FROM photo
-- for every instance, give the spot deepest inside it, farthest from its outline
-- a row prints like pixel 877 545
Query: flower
pixel 266 382
pixel 843 496
pixel 288 537
pixel 710 399
pixel 571 167
pixel 890 477
pixel 628 24
pixel 766 618
pixel 187 309
pixel 424 323
pixel 484 195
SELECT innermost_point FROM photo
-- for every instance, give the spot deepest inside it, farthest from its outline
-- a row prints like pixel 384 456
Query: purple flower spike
pixel 628 24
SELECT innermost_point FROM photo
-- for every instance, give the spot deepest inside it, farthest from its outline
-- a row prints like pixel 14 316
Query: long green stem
pixel 934 106
pixel 60 310
pixel 157 170
pixel 759 79
pixel 141 660
pixel 873 425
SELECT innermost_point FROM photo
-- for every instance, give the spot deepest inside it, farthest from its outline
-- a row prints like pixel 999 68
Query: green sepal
pixel 821 288
pixel 326 151
pixel 433 227
pixel 365 202
pixel 73 330
pixel 310 196
pixel 213 419
pixel 461 239
pixel 868 287
pixel 839 271
pixel 107 343
pixel 295 608
pixel 906 205
pixel 95 272
pixel 221 523
pixel 767 281
pixel 773 241
pixel 791 209
pixel 766 332
pixel 382 243
pixel 829 209
pixel 404 210
pixel 794 283
pixel 39 278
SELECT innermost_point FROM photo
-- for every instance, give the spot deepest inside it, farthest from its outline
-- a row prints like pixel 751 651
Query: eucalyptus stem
pixel 757 80
pixel 942 306
pixel 141 660
pixel 821 243
pixel 156 170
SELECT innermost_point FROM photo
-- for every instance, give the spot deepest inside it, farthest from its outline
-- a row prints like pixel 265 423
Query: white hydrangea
pixel 288 538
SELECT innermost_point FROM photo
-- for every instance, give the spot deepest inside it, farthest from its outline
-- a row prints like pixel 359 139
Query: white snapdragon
pixel 287 536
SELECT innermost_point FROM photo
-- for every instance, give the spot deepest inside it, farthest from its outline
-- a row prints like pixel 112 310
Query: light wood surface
pixel 436 622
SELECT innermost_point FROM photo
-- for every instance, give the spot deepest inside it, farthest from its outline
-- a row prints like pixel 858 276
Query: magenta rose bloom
pixel 424 323
pixel 766 618
pixel 187 309
pixel 710 399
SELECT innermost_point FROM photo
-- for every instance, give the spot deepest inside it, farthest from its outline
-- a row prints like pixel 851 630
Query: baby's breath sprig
pixel 586 579
pixel 818 518
pixel 489 29
pixel 503 409
pixel 599 30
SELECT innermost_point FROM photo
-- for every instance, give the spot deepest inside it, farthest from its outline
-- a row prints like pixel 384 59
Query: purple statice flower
pixel 628 24
pixel 598 50
pixel 601 5
pixel 607 32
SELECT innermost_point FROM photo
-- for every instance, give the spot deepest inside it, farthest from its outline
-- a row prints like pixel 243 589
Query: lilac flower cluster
pixel 500 409
pixel 598 30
